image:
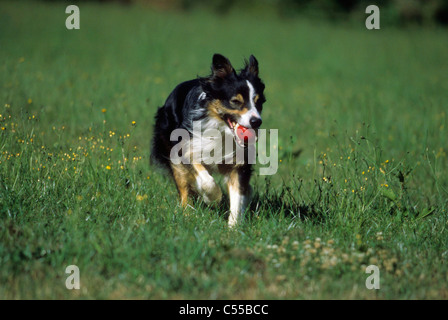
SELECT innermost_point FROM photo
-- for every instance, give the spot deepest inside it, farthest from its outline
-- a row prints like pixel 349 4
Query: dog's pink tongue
pixel 245 135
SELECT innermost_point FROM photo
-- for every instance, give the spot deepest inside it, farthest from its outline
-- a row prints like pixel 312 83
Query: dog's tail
pixel 168 118
pixel 160 146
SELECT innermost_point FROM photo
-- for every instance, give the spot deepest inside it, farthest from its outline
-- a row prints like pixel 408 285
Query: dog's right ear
pixel 221 66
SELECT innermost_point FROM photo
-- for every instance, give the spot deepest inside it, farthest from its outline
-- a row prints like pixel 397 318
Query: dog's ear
pixel 251 67
pixel 221 66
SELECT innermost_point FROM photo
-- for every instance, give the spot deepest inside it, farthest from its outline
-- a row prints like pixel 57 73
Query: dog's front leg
pixel 239 193
pixel 206 185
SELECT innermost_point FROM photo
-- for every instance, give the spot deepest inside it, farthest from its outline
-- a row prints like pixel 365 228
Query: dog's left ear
pixel 251 66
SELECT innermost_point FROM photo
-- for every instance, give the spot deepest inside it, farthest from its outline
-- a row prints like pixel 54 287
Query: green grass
pixel 362 141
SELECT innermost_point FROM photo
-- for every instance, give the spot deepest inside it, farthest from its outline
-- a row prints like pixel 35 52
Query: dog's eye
pixel 236 102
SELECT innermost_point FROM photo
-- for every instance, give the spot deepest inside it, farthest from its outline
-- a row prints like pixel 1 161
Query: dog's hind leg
pixel 180 174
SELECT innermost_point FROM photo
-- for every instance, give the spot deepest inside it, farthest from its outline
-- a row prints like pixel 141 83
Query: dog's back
pixel 171 116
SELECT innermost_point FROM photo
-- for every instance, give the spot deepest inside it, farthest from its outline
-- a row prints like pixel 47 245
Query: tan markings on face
pixel 256 98
pixel 217 110
pixel 237 101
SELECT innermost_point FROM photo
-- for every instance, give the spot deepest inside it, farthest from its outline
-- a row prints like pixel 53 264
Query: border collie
pixel 227 102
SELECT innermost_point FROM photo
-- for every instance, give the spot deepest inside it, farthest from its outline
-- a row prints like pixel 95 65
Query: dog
pixel 229 103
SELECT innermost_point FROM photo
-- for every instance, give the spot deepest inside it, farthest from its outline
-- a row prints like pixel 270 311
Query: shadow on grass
pixel 269 206
pixel 275 206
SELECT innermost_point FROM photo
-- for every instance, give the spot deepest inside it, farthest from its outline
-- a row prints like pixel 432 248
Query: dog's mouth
pixel 240 134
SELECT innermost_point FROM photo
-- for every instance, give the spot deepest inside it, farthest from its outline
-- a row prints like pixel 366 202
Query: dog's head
pixel 236 99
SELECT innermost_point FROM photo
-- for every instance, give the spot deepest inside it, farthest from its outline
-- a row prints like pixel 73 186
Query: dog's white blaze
pixel 251 95
pixel 252 110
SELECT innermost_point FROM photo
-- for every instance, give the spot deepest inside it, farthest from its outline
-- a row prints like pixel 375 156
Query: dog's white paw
pixel 208 188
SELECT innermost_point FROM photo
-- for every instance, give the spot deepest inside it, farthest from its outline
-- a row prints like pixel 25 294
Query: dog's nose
pixel 255 122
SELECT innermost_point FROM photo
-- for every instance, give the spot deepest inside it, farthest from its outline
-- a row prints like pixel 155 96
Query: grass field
pixel 362 179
